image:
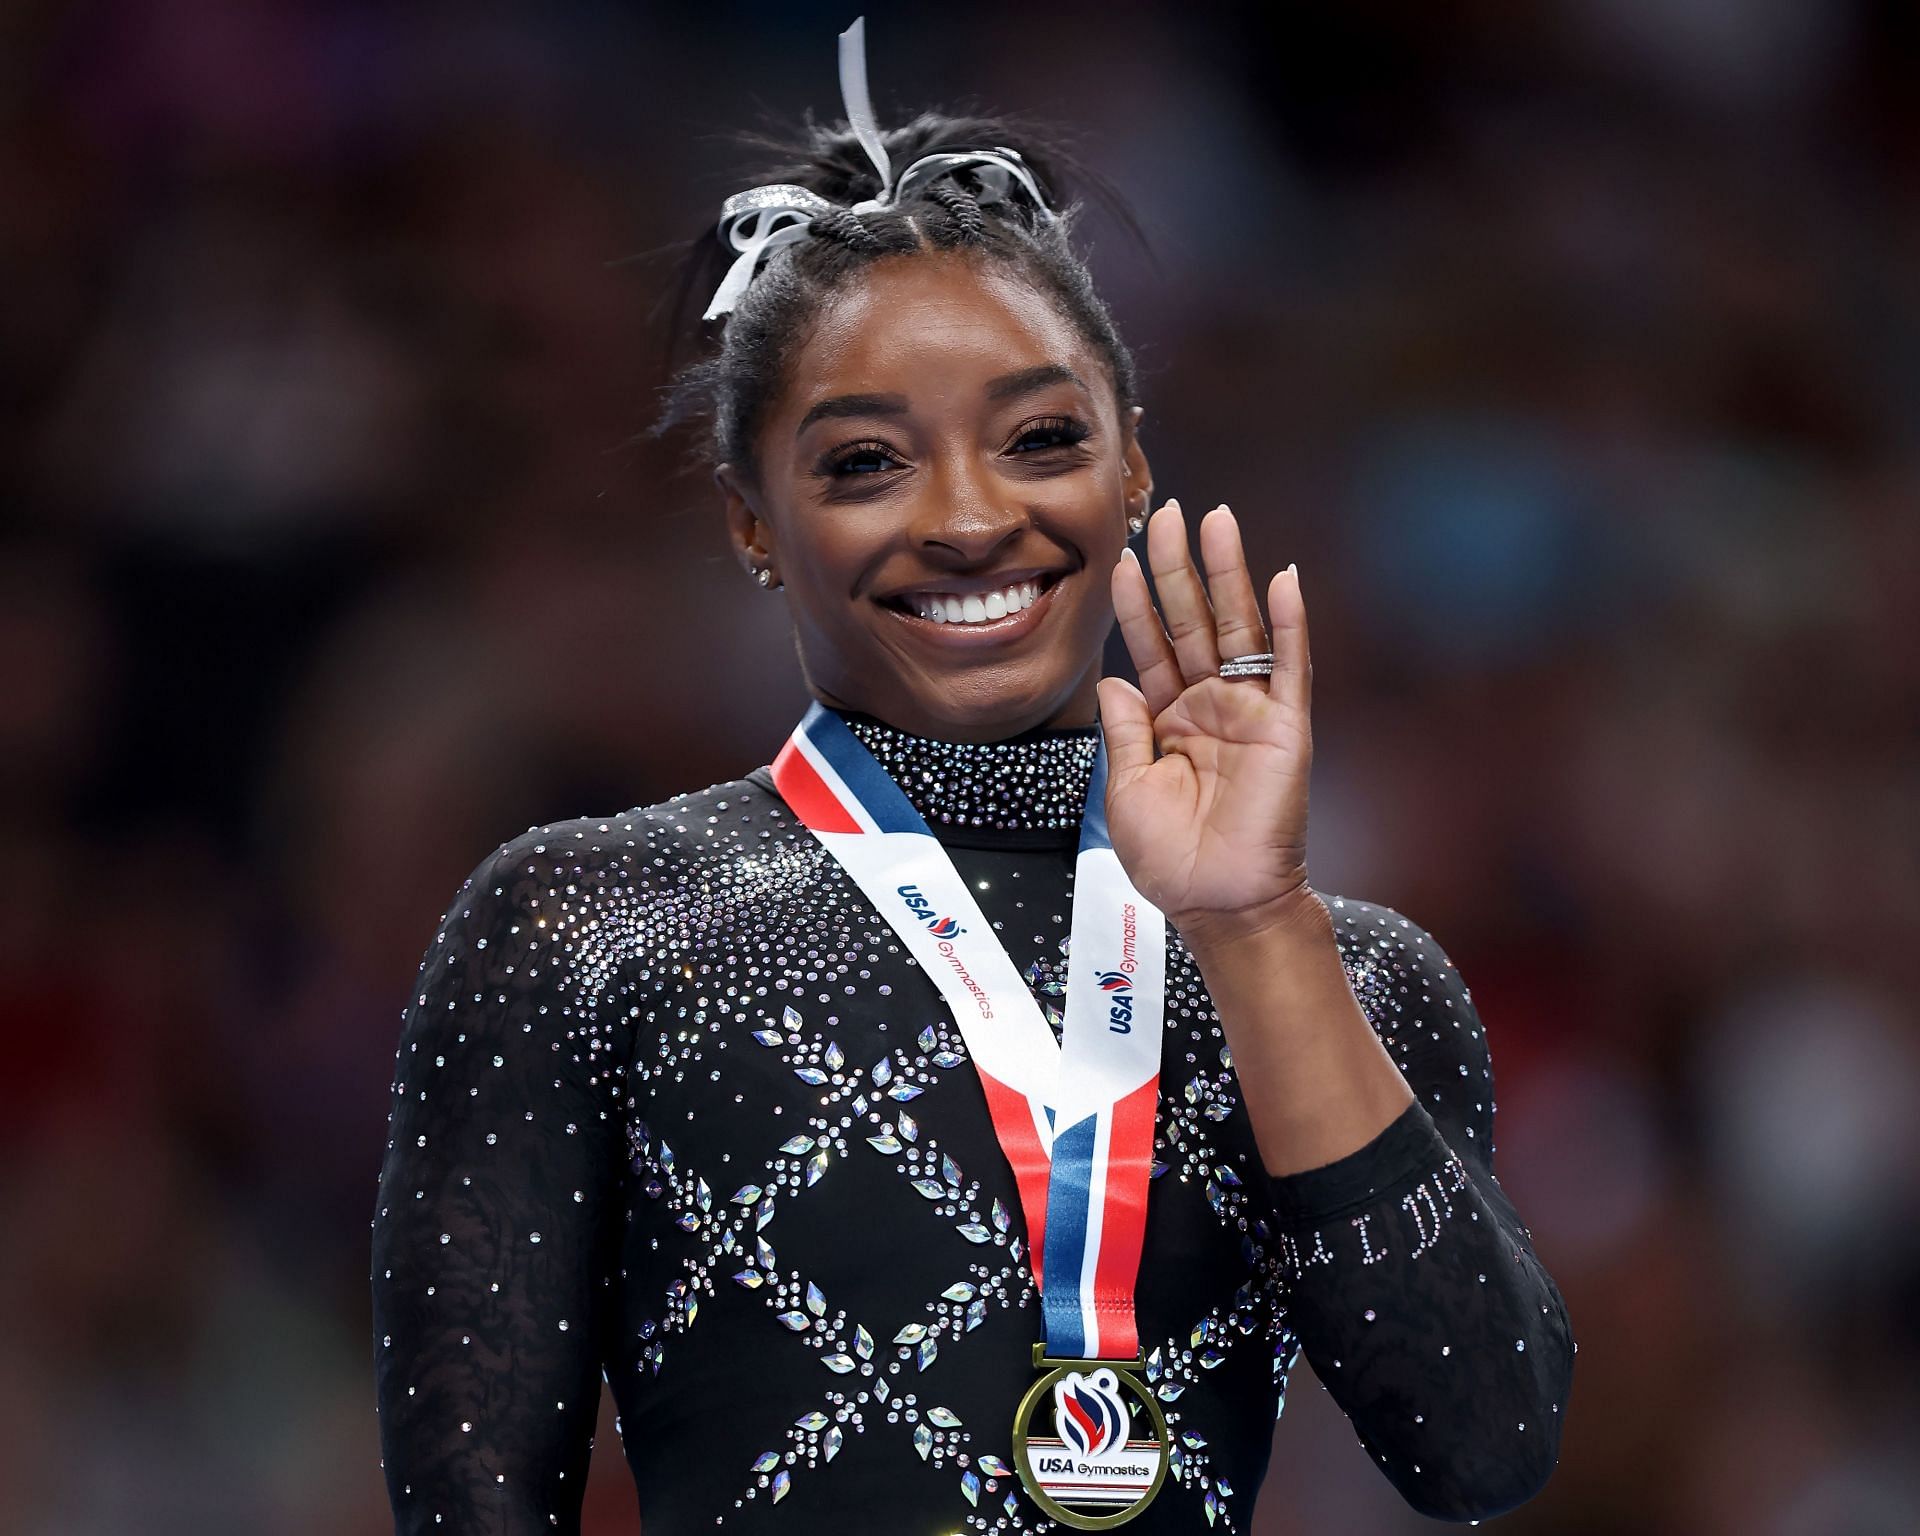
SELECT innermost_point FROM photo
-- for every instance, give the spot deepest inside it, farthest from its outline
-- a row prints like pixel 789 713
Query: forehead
pixel 930 327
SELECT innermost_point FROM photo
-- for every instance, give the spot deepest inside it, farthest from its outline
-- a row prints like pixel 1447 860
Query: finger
pixel 1183 601
pixel 1127 724
pixel 1292 680
pixel 1147 642
pixel 1236 610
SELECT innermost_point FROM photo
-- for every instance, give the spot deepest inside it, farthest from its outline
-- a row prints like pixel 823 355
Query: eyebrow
pixel 1028 380
pixel 853 405
pixel 1006 387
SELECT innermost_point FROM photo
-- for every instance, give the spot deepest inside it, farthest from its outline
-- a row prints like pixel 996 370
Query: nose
pixel 965 518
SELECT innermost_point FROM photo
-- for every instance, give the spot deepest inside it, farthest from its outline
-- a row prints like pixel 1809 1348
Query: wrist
pixel 1296 916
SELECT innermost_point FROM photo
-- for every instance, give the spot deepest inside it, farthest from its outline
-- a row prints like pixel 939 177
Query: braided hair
pixel 746 361
pixel 967 217
pixel 844 225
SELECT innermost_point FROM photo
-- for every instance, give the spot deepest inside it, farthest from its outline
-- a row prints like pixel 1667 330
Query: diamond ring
pixel 1255 664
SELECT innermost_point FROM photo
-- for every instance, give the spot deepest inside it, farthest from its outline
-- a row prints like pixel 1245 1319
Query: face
pixel 942 491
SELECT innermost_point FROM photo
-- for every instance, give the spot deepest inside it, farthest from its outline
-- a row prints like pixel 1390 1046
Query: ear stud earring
pixel 763 576
pixel 1136 521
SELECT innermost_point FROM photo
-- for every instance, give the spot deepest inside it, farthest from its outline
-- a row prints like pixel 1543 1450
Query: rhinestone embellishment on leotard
pixel 1030 783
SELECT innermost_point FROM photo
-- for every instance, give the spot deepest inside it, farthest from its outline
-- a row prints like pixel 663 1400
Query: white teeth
pixel 975 607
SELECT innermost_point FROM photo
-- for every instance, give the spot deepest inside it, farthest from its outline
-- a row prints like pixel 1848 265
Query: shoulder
pixel 1373 927
pixel 565 901
pixel 1418 1003
pixel 1390 955
pixel 584 846
pixel 562 876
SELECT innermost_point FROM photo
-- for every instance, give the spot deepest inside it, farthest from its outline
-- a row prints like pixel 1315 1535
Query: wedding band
pixel 1255 664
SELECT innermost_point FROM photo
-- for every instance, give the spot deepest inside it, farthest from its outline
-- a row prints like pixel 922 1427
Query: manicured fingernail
pixel 1126 553
pixel 1295 569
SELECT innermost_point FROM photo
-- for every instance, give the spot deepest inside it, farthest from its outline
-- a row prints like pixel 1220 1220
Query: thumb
pixel 1128 725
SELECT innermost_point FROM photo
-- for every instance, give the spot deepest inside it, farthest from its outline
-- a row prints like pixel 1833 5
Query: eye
pixel 859 459
pixel 1053 432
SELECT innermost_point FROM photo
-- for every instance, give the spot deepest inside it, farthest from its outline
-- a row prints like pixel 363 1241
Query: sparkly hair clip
pixel 756 223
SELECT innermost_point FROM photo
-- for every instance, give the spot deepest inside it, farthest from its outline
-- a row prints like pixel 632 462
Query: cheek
pixel 828 563
pixel 825 548
pixel 1087 510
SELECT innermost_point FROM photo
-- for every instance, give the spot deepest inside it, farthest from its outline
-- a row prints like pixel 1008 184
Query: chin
pixel 990 709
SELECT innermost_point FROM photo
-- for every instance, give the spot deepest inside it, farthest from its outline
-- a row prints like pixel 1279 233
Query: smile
pixel 973 607
pixel 1001 613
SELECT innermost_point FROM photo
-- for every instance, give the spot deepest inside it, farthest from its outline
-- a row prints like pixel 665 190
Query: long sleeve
pixel 1417 1295
pixel 493 1225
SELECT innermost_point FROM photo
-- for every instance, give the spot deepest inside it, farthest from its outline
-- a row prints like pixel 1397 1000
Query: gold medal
pixel 1090 1441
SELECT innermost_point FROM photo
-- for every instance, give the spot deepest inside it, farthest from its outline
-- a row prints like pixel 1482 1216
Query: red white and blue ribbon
pixel 1074 1116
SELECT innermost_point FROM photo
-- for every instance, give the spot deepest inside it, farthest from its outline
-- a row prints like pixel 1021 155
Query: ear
pixel 748 532
pixel 1136 473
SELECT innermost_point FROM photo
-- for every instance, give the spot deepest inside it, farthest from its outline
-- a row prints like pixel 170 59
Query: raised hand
pixel 1207 776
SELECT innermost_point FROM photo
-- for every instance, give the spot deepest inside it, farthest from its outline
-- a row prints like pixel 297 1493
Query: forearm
pixel 486 1368
pixel 1318 1084
pixel 1425 1312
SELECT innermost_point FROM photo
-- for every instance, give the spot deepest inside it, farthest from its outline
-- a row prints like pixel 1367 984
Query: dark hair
pixel 747 360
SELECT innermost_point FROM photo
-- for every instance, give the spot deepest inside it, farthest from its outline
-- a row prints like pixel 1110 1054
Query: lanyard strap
pixel 1074 1117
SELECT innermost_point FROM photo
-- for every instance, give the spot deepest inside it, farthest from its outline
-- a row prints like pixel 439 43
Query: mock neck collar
pixel 1036 781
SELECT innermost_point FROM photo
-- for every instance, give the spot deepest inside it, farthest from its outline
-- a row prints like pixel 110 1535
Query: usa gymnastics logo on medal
pixel 1094 1470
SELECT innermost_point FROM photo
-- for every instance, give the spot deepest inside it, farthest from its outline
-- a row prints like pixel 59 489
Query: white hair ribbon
pixel 996 171
pixel 756 223
pixel 858 101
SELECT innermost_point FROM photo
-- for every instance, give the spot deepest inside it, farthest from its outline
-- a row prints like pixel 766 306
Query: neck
pixel 1078 709
pixel 1082 709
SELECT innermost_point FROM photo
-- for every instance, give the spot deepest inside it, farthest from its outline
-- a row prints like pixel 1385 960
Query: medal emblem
pixel 1090 1442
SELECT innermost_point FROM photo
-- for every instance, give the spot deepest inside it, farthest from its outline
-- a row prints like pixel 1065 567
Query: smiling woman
pixel 968 1119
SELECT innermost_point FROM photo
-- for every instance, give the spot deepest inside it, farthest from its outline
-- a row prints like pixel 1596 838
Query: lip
pixel 990 631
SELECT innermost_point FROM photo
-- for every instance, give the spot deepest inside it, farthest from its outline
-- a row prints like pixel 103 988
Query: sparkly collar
pixel 1033 782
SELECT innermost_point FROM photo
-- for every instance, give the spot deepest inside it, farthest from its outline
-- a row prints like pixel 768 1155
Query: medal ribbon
pixel 1075 1116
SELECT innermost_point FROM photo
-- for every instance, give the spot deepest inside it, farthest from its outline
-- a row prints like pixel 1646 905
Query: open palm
pixel 1207 777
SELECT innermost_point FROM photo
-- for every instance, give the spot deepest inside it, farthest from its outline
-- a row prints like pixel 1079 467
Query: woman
pixel 768 1103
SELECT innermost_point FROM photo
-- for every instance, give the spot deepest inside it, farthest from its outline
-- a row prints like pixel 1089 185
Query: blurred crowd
pixel 1572 349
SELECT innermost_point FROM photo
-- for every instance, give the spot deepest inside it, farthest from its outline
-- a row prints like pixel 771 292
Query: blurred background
pixel 1572 348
